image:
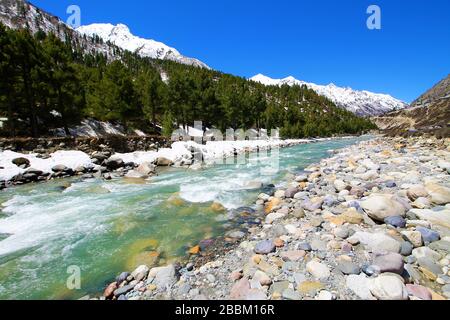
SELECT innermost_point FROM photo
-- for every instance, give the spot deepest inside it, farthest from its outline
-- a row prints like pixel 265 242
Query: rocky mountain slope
pixel 19 14
pixel 121 36
pixel 429 113
pixel 362 103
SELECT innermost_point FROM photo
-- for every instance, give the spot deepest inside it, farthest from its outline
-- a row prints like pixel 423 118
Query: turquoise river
pixel 106 227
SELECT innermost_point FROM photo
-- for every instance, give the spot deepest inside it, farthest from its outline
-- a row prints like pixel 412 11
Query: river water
pixel 106 227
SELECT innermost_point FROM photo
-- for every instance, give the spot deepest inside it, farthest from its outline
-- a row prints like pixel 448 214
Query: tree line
pixel 48 83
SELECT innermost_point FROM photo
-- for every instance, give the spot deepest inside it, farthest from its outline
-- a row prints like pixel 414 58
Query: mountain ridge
pixel 360 102
pixel 428 113
pixel 121 36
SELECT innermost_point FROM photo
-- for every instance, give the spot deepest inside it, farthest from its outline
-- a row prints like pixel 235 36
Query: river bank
pixel 371 222
pixel 21 168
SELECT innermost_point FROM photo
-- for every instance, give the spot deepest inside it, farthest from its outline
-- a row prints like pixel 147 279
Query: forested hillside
pixel 46 83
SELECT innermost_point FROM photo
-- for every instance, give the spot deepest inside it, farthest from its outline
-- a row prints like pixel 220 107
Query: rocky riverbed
pixel 372 222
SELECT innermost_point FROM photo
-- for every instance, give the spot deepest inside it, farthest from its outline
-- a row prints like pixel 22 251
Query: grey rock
pixel 21 162
pixel 318 245
pixel 166 276
pixel 304 246
pixel 123 290
pixel 347 267
pixel 387 287
pixel 376 242
pixel 291 294
pixel 122 277
pixel 60 168
pixel 428 235
pixel 359 285
pixel 290 192
pixel 441 245
pixel 279 287
pixel 430 265
pixel 265 247
pixel 396 221
pixel 406 248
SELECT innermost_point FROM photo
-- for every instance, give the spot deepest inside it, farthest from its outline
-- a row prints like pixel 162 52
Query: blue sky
pixel 317 41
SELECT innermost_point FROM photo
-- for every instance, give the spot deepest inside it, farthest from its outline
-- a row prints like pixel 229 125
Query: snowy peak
pixel 121 36
pixel 362 103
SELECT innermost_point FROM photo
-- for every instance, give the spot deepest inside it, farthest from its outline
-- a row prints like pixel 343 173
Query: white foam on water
pixel 39 222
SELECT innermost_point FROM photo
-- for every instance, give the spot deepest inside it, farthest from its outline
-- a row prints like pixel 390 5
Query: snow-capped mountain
pixel 121 36
pixel 362 103
pixel 21 14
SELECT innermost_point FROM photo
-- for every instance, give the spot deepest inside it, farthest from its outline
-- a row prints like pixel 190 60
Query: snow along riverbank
pixel 13 164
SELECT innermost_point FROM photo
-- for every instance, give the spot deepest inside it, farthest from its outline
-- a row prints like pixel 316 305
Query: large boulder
pixel 439 194
pixel 146 168
pixel 441 218
pixel 388 287
pixel 21 162
pixel 164 276
pixel 60 168
pixel 389 262
pixel 163 162
pixel 381 206
pixel 416 191
pixel 114 163
pixel 133 174
pixel 376 242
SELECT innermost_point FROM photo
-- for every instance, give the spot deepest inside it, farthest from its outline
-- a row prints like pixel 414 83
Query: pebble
pixel 396 221
pixel 318 270
pixel 347 267
pixel 265 247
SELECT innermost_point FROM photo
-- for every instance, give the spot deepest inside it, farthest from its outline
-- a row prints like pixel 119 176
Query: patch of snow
pixel 92 128
pixel 70 159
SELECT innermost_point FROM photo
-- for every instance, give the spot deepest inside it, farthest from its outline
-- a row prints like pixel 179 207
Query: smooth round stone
pixel 406 248
pixel 304 246
pixel 410 260
pixel 355 204
pixel 370 270
pixel 341 232
pixel 122 277
pixel 418 291
pixel 396 221
pixel 265 247
pixel 390 262
pixel 428 235
pixel 387 287
pixel 329 201
pixel 390 184
pixel 347 267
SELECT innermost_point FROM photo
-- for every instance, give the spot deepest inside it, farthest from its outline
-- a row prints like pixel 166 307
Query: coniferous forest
pixel 47 83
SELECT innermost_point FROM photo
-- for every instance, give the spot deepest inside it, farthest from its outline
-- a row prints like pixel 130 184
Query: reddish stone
pixel 294 255
pixel 418 291
pixel 109 291
pixel 240 290
pixel 278 243
pixel 236 275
